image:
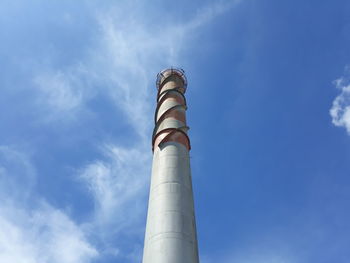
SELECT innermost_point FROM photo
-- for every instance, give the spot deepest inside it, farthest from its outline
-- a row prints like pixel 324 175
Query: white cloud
pixel 125 60
pixel 42 235
pixel 17 175
pixel 340 111
pixel 117 184
pixel 208 13
pixel 31 230
pixel 121 63
pixel 130 52
pixel 58 92
pixel 63 93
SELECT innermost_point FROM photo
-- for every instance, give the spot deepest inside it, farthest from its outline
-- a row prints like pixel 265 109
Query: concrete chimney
pixel 171 226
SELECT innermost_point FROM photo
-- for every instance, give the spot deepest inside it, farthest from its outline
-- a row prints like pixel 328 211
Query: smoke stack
pixel 171 227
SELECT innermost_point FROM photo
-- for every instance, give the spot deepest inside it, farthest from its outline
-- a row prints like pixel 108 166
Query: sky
pixel 268 106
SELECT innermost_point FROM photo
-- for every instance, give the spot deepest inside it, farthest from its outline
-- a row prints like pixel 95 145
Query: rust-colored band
pixel 177 89
pixel 172 131
pixel 170 113
pixel 176 112
pixel 167 112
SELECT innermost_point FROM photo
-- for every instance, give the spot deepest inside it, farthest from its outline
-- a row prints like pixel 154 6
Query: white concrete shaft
pixel 171 228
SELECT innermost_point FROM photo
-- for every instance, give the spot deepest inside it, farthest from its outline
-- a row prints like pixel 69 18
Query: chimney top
pixel 164 74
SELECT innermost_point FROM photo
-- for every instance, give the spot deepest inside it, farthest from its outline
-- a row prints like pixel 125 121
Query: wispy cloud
pixel 17 174
pixel 43 235
pixel 340 111
pixel 125 59
pixel 206 14
pixel 120 63
pixel 31 230
pixel 116 183
pixel 61 91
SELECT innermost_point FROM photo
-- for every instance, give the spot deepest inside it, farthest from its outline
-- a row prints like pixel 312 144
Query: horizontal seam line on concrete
pixel 189 214
pixel 186 236
pixel 168 182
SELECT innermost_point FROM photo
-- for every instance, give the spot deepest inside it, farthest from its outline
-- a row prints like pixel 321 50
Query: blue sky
pixel 269 111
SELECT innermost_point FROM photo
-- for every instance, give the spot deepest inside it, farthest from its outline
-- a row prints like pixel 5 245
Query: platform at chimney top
pixel 166 73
